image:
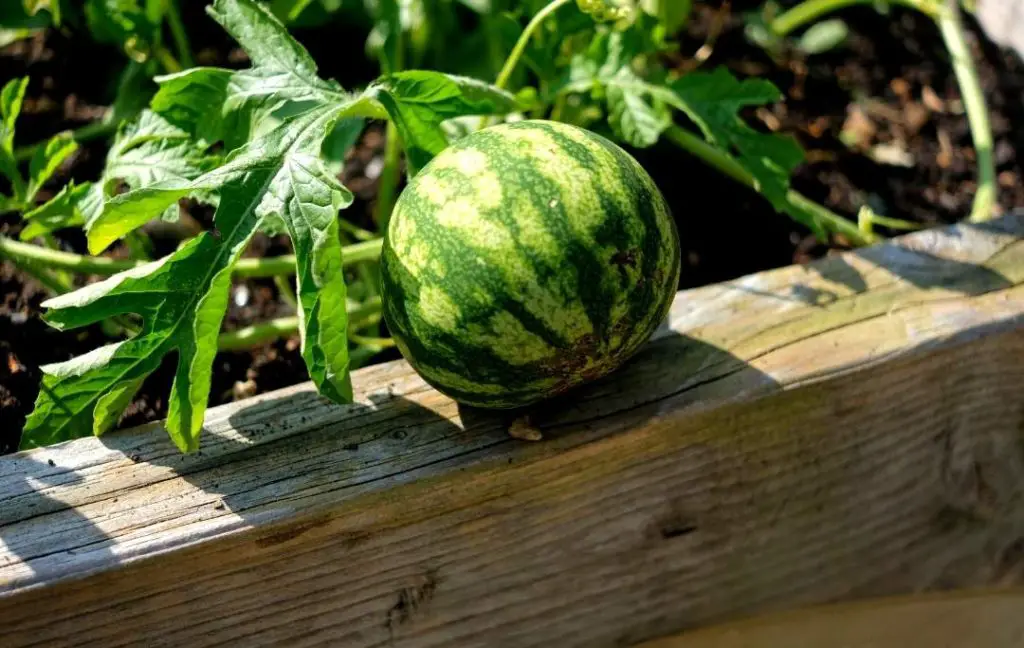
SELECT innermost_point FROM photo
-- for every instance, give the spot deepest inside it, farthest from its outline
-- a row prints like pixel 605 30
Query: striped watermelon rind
pixel 524 260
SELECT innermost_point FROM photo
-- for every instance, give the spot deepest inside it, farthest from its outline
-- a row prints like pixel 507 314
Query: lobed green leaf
pixel 419 101
pixel 713 101
pixel 146 151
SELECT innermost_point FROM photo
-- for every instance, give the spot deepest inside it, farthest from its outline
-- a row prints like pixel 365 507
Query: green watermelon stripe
pixel 452 245
pixel 417 331
pixel 496 369
pixel 588 266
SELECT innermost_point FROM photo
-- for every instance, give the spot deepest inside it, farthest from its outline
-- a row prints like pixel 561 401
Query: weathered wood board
pixel 960 620
pixel 849 429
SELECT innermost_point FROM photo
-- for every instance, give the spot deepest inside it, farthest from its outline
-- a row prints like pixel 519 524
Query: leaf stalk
pixel 178 33
pixel 811 10
pixel 82 134
pixel 27 253
pixel 721 161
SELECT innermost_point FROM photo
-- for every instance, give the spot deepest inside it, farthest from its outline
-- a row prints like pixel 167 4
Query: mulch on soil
pixel 880 118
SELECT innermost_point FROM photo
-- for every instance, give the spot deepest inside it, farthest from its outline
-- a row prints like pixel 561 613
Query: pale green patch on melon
pixel 510 341
pixel 434 189
pixel 416 257
pixel 472 165
pixel 463 215
pixel 534 234
pixel 438 268
pixel 438 309
pixel 402 235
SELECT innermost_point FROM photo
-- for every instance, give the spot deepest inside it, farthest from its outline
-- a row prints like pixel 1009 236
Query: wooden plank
pixel 847 429
pixel 977 619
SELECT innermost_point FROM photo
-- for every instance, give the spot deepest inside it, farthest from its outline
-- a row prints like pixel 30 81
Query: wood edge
pixel 749 631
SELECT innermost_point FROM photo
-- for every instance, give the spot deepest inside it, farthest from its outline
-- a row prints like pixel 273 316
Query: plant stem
pixel 388 184
pixel 88 132
pixel 267 267
pixel 376 343
pixel 811 10
pixel 796 201
pixel 62 275
pixel 167 60
pixel 951 26
pixel 56 284
pixel 364 314
pixel 257 334
pixel 359 356
pixel 27 254
pixel 356 232
pixel 392 145
pixel 179 34
pixel 284 287
pixel 524 38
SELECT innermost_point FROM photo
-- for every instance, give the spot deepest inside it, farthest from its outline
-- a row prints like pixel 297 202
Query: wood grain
pixel 978 620
pixel 847 429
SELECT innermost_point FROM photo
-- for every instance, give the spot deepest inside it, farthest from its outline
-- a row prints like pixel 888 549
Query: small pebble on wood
pixel 524 430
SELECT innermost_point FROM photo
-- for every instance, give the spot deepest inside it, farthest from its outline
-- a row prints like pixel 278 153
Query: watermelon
pixel 524 260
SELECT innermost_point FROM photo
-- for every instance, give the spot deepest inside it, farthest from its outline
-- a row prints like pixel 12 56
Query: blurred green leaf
pixel 33 7
pixel 638 122
pixel 132 25
pixel 11 97
pixel 46 161
pixel 672 14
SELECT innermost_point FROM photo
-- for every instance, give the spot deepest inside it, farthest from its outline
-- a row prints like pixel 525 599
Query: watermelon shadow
pixel 671 372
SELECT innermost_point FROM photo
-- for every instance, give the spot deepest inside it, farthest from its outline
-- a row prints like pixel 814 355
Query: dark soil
pixel 890 85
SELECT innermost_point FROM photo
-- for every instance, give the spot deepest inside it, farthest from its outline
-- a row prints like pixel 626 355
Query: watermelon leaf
pixel 418 101
pixel 11 97
pixel 145 151
pixel 713 101
pixel 132 25
pixel 216 104
pixel 638 109
pixel 634 115
pixel 279 112
pixel 46 160
pixel 636 121
pixel 69 207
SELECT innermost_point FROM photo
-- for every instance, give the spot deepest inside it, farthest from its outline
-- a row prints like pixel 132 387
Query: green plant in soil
pixel 263 145
pixel 274 118
pixel 770 27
